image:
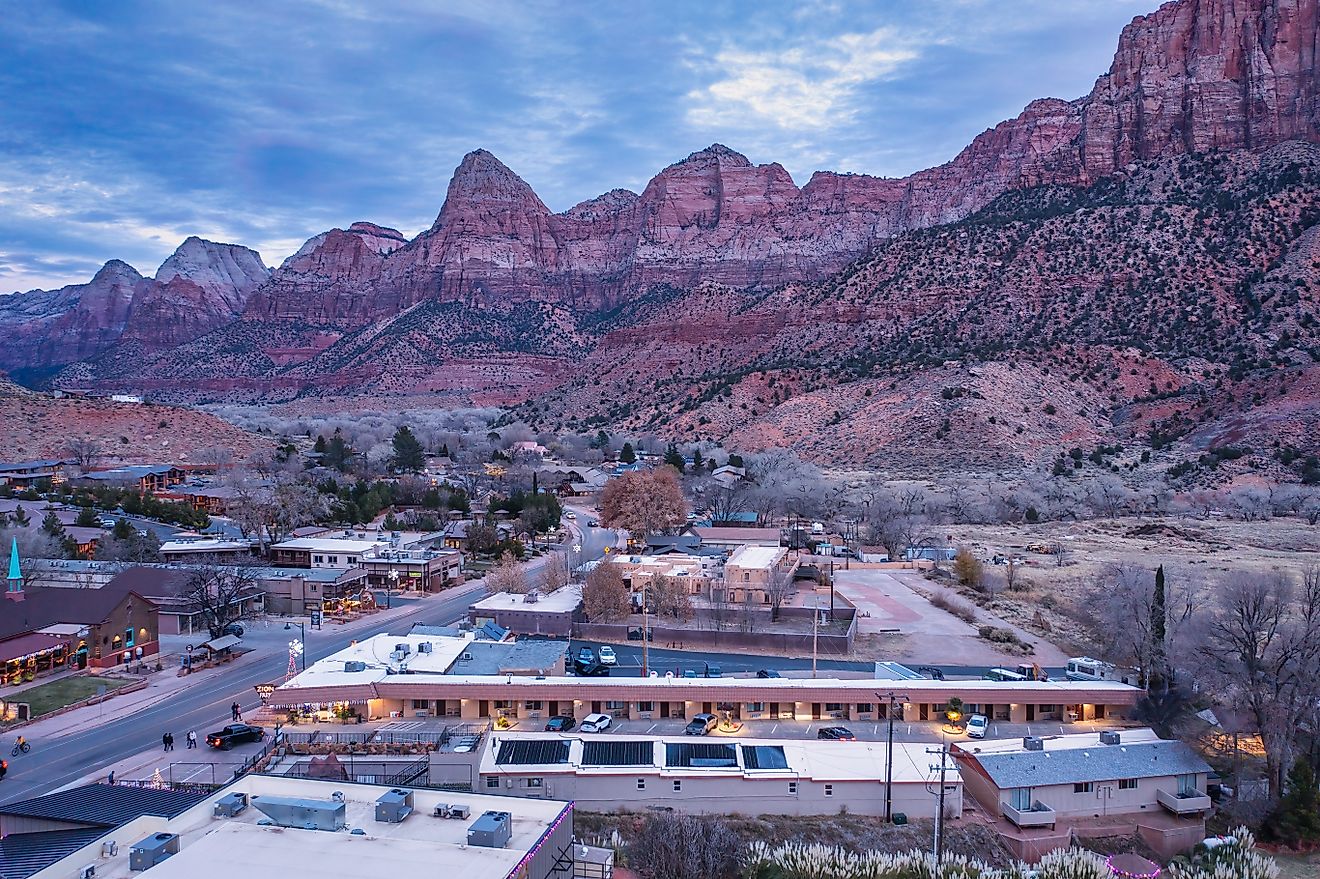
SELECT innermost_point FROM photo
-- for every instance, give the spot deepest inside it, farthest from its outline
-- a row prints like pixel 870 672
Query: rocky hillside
pixel 35 425
pixel 1180 297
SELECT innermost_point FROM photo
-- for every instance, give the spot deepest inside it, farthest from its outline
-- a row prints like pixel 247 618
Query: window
pixel 829 790
pixel 503 703
pixel 128 637
pixel 1084 787
pixel 1187 785
pixel 615 706
pixel 352 559
pixel 865 708
pixel 422 704
pixel 747 576
pixel 792 787
pixel 533 705
pixel 678 785
pixel 756 707
pixel 1021 798
pixel 332 559
pixel 641 784
pixel 1127 784
pixel 645 706
pixel 492 781
pixel 317 559
pixel 534 782
pixel 833 706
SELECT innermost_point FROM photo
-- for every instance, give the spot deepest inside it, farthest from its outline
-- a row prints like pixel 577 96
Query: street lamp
pixel 391 583
pixel 296 646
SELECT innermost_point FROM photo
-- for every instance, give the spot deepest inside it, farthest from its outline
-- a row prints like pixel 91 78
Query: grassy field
pixel 55 695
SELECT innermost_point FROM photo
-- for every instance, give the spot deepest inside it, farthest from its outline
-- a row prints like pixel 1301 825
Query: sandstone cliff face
pixel 201 286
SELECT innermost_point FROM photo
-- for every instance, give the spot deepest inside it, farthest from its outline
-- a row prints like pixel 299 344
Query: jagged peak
pixel 607 202
pixel 364 227
pixel 717 153
pixel 117 270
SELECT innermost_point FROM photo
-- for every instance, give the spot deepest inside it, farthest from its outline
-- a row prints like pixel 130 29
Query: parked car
pixel 977 725
pixel 700 724
pixel 607 656
pixel 714 671
pixel 233 629
pixel 768 673
pixel 560 723
pixel 590 670
pixel 592 523
pixel 596 722
pixel 836 733
pixel 234 734
pixel 586 654
pixel 108 524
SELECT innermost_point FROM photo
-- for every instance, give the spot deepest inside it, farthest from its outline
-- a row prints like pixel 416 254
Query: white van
pixel 1002 674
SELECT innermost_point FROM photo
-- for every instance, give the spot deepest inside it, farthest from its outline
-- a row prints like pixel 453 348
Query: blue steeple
pixel 15 573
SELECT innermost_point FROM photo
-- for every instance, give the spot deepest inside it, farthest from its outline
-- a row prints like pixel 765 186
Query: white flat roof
pixel 204 545
pixel 560 601
pixel 331 544
pixel 755 556
pixel 212 848
pixel 375 653
pixel 815 759
pixel 1057 743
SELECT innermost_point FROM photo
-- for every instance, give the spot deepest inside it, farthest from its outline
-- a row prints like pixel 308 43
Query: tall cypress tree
pixel 1157 676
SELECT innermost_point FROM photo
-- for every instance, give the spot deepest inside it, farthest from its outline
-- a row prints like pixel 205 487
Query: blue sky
pixel 127 126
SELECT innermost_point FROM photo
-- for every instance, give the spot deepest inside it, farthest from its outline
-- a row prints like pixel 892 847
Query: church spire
pixel 15 590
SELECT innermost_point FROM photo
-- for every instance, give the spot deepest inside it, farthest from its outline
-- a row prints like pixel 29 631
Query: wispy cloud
pixel 810 86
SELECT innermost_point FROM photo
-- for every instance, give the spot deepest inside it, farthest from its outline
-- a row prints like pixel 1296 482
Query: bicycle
pixel 20 746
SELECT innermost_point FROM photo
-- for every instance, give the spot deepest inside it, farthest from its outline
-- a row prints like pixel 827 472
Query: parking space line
pixel 653 726
pixel 773 728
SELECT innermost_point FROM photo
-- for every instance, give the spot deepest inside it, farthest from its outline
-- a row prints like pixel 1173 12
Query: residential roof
pixel 766 536
pixel 563 600
pixel 43 606
pixel 28 465
pixel 205 544
pixel 132 471
pixel 27 645
pixel 105 805
pixel 1096 762
pixel 756 556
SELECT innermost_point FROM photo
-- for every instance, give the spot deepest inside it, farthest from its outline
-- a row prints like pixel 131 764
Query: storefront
pixel 30 656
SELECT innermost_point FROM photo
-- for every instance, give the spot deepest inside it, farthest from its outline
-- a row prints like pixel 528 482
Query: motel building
pixel 433 676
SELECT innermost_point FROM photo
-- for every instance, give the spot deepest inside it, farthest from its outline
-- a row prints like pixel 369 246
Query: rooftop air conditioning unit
pixel 491 830
pixel 147 853
pixel 467 657
pixel 394 805
pixel 230 805
pixel 424 647
pixel 1110 737
pixel 355 665
pixel 1033 743
pixel 402 648
pixel 87 872
pixel 109 848
pixel 460 810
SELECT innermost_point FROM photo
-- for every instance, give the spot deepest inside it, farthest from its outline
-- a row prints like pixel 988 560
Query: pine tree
pixel 674 458
pixel 602 440
pixel 320 444
pixel 1296 819
pixel 409 457
pixel 53 526
pixel 626 454
pixel 697 460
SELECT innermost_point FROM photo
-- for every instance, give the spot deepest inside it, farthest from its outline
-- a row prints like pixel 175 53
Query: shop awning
pixel 29 645
pixel 221 643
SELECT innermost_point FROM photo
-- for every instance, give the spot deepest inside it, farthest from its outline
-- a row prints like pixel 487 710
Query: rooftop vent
pixel 302 813
pixel 1110 737
pixel 424 647
pixel 147 853
pixel 1033 743
pixel 355 665
pixel 394 805
pixel 230 805
pixel 491 830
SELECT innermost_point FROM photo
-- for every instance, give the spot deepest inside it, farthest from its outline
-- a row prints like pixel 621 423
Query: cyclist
pixel 22 745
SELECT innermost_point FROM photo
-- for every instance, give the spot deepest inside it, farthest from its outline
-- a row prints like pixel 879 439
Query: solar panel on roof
pixel 700 755
pixel 534 752
pixel 618 754
pixel 764 757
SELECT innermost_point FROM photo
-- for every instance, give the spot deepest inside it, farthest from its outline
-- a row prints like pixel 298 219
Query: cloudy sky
pixel 127 126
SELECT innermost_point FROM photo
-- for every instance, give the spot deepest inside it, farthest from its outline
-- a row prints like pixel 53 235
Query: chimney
pixel 15 590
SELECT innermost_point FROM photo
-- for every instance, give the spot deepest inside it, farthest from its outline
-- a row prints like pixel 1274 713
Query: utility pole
pixel 646 632
pixel 943 751
pixel 815 631
pixel 893 700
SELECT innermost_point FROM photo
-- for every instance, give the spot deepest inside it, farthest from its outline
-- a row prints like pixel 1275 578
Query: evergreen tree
pixel 320 444
pixel 674 458
pixel 626 454
pixel 602 440
pixel 444 450
pixel 20 516
pixel 697 460
pixel 338 453
pixel 87 518
pixel 735 461
pixel 535 487
pixel 409 456
pixel 1296 820
pixel 1159 623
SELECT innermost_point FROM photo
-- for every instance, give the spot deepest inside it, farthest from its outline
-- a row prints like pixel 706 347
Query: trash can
pixel 900 818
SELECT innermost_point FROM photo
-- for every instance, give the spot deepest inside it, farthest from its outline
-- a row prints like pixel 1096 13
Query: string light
pixel 549 832
pixel 1129 873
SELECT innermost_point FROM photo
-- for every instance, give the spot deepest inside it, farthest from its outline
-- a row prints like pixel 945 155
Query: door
pixel 1031 712
pixel 595 707
pixel 1020 798
pixel 774 710
pixel 707 708
pixel 664 710
pixel 483 708
pixel 923 711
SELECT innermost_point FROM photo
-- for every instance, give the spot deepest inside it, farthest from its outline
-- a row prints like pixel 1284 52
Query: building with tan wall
pixel 754 573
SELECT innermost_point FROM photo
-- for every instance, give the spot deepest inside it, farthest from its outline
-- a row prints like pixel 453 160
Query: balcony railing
pixel 1039 815
pixel 1183 804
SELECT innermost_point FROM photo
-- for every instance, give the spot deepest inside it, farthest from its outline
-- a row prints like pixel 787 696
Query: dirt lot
pixel 1206 549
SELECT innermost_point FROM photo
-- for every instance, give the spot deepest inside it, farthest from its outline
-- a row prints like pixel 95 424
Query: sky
pixel 127 126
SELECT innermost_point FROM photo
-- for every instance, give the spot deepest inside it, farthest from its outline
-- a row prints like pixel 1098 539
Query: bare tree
pixel 271 510
pixel 778 589
pixel 1061 552
pixel 1124 601
pixel 670 597
pixel 604 594
pixel 85 451
pixel 507 576
pixel 648 502
pixel 722 503
pixel 1261 649
pixel 216 594
pixel 1108 495
pixel 555 573
pixel 674 846
pixel 1012 572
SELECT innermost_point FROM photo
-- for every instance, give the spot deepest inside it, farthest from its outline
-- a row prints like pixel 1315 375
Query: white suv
pixel 596 723
pixel 977 725
pixel 606 654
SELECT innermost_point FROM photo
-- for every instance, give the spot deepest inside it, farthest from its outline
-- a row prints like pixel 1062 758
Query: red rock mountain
pixel 500 275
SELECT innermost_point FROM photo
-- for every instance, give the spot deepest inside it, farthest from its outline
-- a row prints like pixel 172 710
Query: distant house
pixel 531 614
pixel 24 474
pixel 728 476
pixel 732 539
pixel 201 548
pixel 143 478
pixel 740 519
pixel 753 572
pixel 214 500
pixel 168 588
pixel 455 534
pixel 528 450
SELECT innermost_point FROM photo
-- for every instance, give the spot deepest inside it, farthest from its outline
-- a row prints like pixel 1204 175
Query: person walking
pixel 235 711
pixel 192 739
pixel 165 740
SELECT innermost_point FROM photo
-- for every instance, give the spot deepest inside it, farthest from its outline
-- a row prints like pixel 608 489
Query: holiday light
pixel 1134 867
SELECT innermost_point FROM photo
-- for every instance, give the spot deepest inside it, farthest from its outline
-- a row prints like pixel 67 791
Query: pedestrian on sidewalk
pixel 165 740
pixel 192 739
pixel 112 777
pixel 236 712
